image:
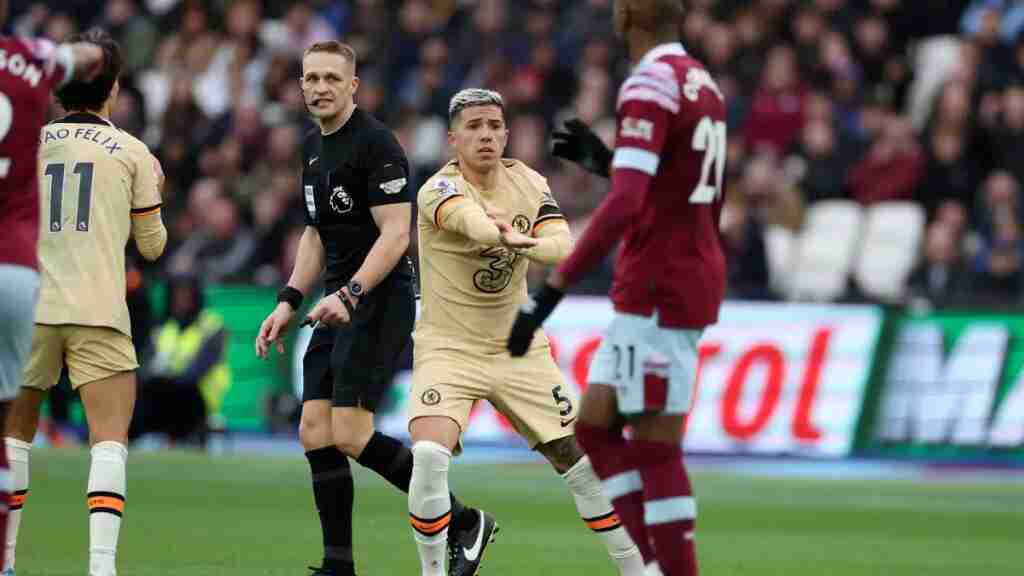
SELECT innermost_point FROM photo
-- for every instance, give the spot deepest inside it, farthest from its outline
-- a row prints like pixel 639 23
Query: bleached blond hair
pixel 471 98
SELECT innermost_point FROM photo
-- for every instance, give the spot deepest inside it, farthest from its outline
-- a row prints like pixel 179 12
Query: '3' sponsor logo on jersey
pixel 498 274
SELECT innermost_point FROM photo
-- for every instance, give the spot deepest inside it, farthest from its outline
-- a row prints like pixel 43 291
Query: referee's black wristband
pixel 348 305
pixel 292 296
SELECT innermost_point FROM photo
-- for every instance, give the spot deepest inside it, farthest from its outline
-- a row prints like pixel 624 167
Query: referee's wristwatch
pixel 355 289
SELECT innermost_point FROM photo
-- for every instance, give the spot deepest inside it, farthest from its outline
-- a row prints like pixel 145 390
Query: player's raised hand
pixel 579 144
pixel 512 238
pixel 89 60
pixel 272 330
pixel 331 310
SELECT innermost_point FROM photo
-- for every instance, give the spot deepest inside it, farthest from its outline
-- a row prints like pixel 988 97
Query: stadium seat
pixel 825 250
pixel 889 248
pixel 779 244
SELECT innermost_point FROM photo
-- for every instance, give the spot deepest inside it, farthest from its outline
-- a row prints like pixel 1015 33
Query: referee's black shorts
pixel 353 365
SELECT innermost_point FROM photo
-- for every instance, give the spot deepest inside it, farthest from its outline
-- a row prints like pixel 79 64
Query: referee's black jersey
pixel 344 174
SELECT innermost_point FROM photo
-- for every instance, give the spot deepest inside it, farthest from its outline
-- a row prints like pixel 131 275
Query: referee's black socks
pixel 393 461
pixel 333 490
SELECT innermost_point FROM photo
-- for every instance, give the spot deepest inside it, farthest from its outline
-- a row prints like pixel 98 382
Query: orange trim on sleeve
pixel 437 211
pixel 546 221
pixel 147 212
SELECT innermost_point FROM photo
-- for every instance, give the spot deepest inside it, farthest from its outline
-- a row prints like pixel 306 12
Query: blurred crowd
pixel 865 100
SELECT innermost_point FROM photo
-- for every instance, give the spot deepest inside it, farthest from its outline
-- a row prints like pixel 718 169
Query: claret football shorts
pixel 530 391
pixel 653 369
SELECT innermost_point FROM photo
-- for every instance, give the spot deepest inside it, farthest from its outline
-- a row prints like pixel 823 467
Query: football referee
pixel 358 215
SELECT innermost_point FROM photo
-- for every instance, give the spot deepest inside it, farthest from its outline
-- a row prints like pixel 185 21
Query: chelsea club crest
pixel 341 202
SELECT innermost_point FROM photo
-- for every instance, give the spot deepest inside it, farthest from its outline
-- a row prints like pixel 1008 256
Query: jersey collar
pixel 343 124
pixel 668 49
pixel 83 118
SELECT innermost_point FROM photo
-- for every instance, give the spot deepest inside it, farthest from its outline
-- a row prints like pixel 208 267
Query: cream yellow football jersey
pixel 471 292
pixel 93 179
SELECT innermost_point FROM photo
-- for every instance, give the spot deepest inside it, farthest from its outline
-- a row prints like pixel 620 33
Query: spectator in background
pixel 1004 17
pixel 235 73
pixel 743 233
pixel 1008 134
pixel 1001 199
pixel 807 27
pixel 892 167
pixel 183 382
pixel 134 31
pixel 818 82
pixel 949 173
pixel 768 195
pixel 764 199
pixel 60 27
pixel 999 261
pixel 871 38
pixel 817 166
pixel 776 113
pixel 221 248
pixel 943 277
pixel 300 27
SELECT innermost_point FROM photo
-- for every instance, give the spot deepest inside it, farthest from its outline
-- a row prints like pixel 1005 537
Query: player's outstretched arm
pixel 606 227
pixel 463 216
pixel 554 243
pixel 579 144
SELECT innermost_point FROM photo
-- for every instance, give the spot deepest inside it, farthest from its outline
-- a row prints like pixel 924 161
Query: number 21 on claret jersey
pixel 709 137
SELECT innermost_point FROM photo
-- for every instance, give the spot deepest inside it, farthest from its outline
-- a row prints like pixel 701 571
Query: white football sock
pixel 106 499
pixel 17 457
pixel 430 506
pixel 596 510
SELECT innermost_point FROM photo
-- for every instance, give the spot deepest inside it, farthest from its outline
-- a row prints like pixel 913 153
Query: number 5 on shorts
pixel 564 402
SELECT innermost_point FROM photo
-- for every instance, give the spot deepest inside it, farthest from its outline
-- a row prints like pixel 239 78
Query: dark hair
pixel 91 94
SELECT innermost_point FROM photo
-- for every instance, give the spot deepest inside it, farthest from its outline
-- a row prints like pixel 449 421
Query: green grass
pixel 195 515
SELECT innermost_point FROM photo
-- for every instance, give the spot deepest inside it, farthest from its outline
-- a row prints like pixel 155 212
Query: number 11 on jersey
pixel 56 173
pixel 709 137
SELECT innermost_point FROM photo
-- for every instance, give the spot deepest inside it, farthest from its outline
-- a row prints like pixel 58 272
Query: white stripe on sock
pixel 670 510
pixel 622 484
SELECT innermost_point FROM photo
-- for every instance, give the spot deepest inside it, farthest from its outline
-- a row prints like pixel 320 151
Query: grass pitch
pixel 197 515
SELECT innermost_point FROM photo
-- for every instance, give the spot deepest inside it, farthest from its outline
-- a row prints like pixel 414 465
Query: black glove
pixel 581 145
pixel 531 315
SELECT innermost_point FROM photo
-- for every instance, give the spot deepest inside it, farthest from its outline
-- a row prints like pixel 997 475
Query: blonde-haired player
pixel 100 186
pixel 481 220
